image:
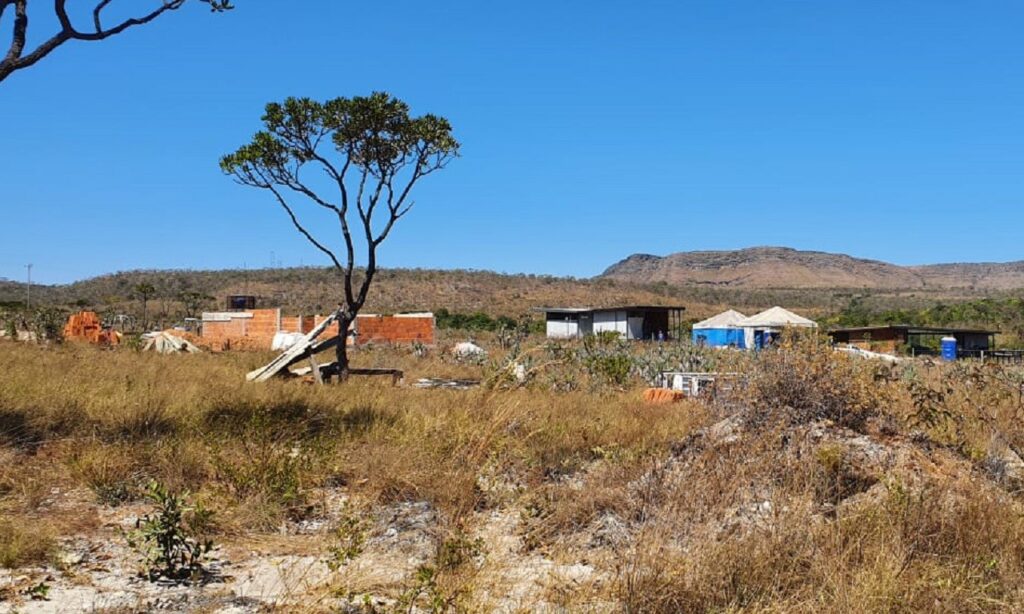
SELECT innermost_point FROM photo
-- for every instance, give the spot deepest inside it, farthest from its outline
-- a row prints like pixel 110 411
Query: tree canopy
pixel 371 152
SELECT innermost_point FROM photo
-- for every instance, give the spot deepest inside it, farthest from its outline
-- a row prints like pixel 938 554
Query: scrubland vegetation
pixel 818 483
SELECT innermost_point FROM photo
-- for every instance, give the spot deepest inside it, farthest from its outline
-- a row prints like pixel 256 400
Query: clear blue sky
pixel 591 130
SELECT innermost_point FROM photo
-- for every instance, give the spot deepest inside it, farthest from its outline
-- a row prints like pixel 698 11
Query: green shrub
pixel 169 539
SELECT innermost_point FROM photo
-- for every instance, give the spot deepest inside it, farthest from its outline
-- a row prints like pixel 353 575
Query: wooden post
pixel 317 376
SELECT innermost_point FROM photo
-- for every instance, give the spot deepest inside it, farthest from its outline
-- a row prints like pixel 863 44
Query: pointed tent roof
pixel 726 319
pixel 777 317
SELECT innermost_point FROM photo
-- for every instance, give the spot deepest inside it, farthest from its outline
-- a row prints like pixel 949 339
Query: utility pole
pixel 28 288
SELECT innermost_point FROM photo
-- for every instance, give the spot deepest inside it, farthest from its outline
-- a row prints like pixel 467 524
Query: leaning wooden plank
pixel 316 348
pixel 288 356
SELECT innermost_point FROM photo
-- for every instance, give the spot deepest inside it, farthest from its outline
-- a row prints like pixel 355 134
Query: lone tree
pixel 372 153
pixel 193 302
pixel 18 58
pixel 144 291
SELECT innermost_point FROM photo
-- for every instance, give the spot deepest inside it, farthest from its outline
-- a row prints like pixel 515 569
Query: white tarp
pixel 468 349
pixel 166 343
pixel 726 319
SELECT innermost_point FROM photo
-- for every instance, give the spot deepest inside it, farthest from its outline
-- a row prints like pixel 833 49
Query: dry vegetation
pixel 819 484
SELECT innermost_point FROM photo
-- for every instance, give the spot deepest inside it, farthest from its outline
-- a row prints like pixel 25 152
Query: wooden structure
pixel 913 340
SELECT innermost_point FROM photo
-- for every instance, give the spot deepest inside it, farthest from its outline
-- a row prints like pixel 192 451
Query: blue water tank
pixel 949 349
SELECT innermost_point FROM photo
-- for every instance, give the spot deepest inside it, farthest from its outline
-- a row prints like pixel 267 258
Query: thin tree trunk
pixel 342 350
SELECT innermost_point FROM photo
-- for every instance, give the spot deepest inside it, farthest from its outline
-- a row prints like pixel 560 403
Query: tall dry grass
pixel 778 518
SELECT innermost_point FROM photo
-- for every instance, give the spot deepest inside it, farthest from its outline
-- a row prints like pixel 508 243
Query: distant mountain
pixel 783 267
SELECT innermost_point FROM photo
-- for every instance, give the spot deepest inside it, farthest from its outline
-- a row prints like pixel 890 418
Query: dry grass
pixel 786 516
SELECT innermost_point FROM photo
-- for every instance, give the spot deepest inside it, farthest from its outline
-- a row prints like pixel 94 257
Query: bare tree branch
pixel 301 229
pixel 17 59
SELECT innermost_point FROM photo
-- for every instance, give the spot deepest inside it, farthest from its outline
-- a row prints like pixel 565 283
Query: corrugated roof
pixel 726 319
pixel 615 308
pixel 776 317
pixel 915 330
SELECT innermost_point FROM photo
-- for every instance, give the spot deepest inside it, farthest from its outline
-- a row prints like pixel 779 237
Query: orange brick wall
pixel 394 329
pixel 297 324
pixel 257 331
pixel 220 332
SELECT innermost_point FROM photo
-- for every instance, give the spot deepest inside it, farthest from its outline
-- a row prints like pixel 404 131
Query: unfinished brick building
pixel 254 329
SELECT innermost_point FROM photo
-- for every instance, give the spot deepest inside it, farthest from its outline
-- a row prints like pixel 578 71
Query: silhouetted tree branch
pixel 18 59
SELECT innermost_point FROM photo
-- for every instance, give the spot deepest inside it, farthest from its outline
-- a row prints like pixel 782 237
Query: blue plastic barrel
pixel 948 349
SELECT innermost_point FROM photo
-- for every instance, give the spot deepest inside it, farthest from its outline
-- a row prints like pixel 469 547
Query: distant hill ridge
pixel 784 267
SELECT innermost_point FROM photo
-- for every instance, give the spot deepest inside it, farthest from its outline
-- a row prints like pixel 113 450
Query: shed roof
pixel 915 330
pixel 726 319
pixel 614 308
pixel 777 317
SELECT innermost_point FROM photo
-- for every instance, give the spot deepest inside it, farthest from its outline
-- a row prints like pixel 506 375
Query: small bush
pixel 169 539
pixel 803 380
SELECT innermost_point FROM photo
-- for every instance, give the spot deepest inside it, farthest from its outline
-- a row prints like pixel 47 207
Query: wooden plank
pixel 396 374
pixel 292 354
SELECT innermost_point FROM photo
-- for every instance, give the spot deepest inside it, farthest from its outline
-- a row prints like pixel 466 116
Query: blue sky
pixel 590 130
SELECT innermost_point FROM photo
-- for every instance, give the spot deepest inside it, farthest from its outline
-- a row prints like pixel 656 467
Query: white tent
pixel 723 330
pixel 771 321
pixel 726 319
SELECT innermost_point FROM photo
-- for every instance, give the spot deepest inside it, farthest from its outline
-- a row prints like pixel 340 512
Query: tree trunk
pixel 341 352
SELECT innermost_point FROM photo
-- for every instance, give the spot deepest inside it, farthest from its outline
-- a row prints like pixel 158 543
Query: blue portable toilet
pixel 949 349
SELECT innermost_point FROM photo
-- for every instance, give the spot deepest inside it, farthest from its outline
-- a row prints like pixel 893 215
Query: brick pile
pixel 86 326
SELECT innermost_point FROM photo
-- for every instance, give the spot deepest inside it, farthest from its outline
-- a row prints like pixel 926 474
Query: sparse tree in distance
pixel 372 152
pixel 193 301
pixel 19 58
pixel 144 291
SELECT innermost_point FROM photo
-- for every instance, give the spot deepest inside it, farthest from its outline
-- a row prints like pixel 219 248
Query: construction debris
pixel 660 396
pixel 468 349
pixel 301 350
pixel 284 340
pixel 448 384
pixel 397 375
pixel 696 384
pixel 86 326
pixel 853 350
pixel 167 343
